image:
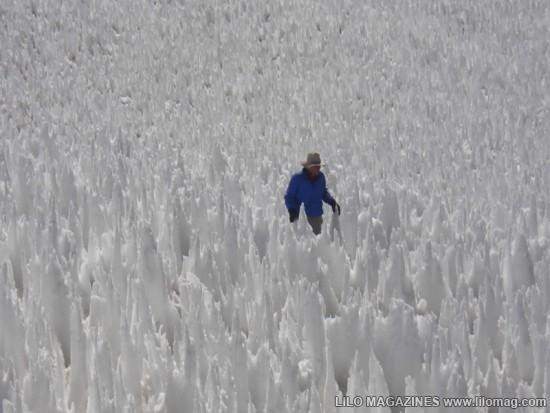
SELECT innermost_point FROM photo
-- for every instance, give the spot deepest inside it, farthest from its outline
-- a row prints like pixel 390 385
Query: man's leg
pixel 315 223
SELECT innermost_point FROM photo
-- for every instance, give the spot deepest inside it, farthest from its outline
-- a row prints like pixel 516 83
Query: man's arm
pixel 327 197
pixel 291 201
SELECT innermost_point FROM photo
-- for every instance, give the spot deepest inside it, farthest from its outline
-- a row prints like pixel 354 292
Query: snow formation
pixel 147 262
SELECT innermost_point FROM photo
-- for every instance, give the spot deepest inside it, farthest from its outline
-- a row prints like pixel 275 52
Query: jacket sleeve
pixel 291 200
pixel 327 197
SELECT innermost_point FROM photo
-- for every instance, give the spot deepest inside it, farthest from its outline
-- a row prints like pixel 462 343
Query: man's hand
pixel 293 215
pixel 335 207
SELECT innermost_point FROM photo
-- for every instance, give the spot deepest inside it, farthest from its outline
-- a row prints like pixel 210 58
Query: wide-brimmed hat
pixel 313 159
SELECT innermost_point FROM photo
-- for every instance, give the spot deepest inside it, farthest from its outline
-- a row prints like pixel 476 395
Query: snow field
pixel 147 261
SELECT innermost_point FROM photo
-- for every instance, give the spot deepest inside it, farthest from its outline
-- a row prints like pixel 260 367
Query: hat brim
pixel 305 164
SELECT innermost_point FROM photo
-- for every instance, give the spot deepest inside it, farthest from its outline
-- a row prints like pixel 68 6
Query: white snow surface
pixel 147 260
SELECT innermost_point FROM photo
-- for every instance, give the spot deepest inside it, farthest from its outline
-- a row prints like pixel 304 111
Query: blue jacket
pixel 311 191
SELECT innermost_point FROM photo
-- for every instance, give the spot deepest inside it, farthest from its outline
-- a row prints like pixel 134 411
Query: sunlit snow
pixel 147 260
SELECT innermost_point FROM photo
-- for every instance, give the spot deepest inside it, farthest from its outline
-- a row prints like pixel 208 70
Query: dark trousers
pixel 315 223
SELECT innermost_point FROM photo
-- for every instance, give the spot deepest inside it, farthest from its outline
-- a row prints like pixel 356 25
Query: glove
pixel 335 207
pixel 293 215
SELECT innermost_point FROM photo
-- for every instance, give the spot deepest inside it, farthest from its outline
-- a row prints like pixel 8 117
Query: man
pixel 309 186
